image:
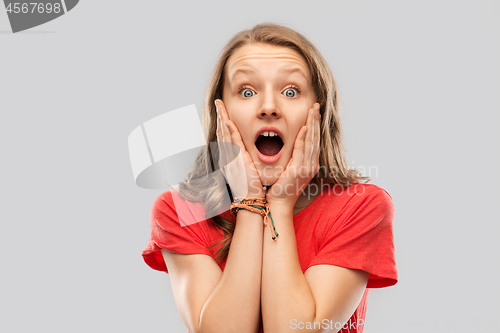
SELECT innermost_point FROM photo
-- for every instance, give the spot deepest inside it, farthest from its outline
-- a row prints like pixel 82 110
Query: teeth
pixel 270 133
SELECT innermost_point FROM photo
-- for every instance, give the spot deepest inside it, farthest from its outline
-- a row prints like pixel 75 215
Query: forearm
pixel 285 292
pixel 234 305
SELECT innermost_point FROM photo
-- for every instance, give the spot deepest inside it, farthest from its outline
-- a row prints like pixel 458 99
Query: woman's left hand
pixel 303 165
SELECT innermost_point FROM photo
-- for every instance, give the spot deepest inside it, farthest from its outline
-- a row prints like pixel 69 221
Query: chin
pixel 268 174
pixel 266 181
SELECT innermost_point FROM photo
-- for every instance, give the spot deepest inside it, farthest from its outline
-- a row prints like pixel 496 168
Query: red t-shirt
pixel 350 227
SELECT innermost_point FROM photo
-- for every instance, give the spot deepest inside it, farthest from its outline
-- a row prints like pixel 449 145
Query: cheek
pixel 234 112
pixel 241 120
pixel 243 129
pixel 301 121
pixel 300 114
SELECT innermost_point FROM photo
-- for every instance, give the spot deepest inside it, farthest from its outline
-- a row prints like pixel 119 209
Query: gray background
pixel 419 87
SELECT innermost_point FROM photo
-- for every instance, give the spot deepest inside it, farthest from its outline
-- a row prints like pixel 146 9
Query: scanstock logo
pixel 24 15
pixel 164 149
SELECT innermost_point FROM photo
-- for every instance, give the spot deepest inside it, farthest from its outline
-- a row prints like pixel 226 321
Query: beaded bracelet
pixel 255 205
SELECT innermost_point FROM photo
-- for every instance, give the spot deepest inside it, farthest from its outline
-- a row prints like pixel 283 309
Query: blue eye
pixel 247 92
pixel 292 92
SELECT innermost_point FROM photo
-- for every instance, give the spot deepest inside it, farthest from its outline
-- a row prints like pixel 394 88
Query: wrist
pixel 281 208
pixel 287 201
pixel 252 204
pixel 250 215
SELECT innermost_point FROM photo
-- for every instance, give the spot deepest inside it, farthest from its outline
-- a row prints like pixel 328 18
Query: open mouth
pixel 269 143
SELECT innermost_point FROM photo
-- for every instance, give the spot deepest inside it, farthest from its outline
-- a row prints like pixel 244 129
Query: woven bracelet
pixel 255 205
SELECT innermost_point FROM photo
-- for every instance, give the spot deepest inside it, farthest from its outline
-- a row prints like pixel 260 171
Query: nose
pixel 269 107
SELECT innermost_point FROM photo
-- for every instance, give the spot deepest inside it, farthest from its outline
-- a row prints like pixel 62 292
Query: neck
pixel 305 199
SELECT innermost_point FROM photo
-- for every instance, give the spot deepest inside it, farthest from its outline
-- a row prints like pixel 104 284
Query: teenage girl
pixel 305 236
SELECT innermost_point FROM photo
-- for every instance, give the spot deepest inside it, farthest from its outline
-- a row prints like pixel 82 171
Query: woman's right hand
pixel 234 161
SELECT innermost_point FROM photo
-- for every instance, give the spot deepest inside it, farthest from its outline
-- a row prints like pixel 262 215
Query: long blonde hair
pixel 333 168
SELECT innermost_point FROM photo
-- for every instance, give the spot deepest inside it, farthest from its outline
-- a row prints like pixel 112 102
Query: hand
pixel 235 162
pixel 303 165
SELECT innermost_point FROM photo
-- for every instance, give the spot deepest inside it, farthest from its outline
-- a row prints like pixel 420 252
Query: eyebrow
pixel 292 70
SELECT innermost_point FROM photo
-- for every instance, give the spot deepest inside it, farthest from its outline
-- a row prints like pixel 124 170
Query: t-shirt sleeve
pixel 363 238
pixel 168 234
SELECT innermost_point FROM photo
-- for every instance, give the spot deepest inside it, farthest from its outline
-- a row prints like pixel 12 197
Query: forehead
pixel 254 56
